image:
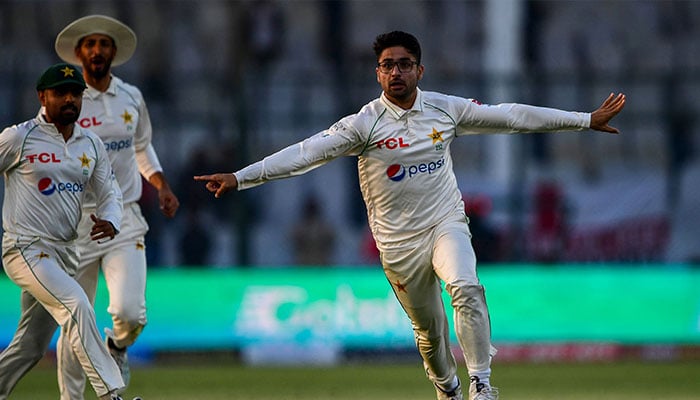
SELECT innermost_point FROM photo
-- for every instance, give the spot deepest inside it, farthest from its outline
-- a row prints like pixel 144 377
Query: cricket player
pixel 50 164
pixel 414 207
pixel 117 113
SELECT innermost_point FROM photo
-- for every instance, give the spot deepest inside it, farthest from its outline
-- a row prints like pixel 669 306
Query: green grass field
pixel 619 381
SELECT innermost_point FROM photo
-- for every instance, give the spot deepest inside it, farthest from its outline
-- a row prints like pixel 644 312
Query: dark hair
pixel 397 38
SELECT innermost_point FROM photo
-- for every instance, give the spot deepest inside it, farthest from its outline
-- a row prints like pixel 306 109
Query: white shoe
pixel 120 357
pixel 455 394
pixel 487 393
pixel 481 391
pixel 115 396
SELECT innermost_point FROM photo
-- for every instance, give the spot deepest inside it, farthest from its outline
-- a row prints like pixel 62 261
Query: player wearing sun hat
pixel 117 112
pixel 49 163
pixel 68 39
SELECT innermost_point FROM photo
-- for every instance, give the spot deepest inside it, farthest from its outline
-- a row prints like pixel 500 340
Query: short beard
pixel 99 74
pixel 66 119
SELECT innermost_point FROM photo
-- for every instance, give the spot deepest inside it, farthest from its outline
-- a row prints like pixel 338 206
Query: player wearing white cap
pixel 414 207
pixel 117 113
pixel 50 164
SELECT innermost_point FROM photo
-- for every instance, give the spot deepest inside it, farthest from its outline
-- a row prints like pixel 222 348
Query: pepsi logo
pixel 46 186
pixel 118 145
pixel 396 172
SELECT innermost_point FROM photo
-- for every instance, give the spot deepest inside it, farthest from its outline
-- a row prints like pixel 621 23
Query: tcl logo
pixel 88 122
pixel 392 143
pixel 43 158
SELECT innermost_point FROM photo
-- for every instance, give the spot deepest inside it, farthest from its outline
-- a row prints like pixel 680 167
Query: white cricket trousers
pixel 443 254
pixel 123 264
pixel 43 269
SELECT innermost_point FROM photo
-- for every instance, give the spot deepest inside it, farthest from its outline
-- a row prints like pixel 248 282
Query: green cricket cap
pixel 60 74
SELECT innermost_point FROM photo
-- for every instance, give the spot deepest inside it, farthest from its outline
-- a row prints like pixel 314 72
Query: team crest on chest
pixel 436 136
pixel 128 118
pixel 85 163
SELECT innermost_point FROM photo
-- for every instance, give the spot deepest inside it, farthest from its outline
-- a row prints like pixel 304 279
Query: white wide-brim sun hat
pixel 124 38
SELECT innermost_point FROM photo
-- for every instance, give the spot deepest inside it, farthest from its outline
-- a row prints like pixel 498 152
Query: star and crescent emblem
pixel 84 161
pixel 128 118
pixel 436 136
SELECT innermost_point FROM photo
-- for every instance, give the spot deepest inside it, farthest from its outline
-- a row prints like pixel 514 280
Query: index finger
pixel 204 177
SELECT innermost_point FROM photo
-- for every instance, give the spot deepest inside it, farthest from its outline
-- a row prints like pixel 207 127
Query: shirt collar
pixel 399 112
pixel 51 128
pixel 111 90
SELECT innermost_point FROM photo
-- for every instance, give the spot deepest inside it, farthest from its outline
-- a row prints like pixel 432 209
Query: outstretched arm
pixel 610 108
pixel 219 183
pixel 294 160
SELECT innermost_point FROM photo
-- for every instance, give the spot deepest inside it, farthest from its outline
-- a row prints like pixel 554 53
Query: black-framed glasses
pixel 388 66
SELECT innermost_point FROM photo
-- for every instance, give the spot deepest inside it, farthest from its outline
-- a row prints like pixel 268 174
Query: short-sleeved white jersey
pixel 404 162
pixel 46 179
pixel 119 116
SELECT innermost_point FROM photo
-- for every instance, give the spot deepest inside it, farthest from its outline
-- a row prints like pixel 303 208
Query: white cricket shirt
pixel 46 179
pixel 120 118
pixel 404 162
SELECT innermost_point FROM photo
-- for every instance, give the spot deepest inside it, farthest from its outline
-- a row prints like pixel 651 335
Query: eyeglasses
pixel 404 66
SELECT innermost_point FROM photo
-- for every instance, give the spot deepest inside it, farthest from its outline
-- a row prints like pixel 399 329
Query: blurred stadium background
pixel 588 243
